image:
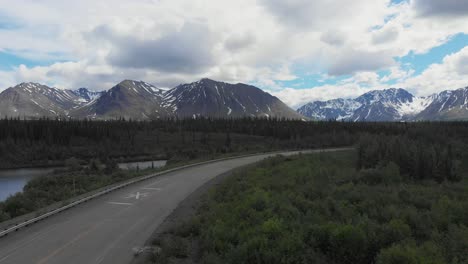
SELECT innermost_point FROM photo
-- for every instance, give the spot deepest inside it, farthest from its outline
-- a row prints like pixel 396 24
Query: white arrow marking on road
pixel 137 195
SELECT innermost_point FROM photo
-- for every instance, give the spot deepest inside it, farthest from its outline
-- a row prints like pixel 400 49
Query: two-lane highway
pixel 108 228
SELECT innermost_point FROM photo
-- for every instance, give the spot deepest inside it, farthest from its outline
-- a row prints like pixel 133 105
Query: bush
pixel 428 253
pixel 399 254
pixel 73 164
pixel 321 209
pixel 348 244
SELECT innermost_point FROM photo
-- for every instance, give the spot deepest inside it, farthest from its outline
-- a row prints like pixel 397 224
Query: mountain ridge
pixel 393 104
pixel 219 99
pixel 139 100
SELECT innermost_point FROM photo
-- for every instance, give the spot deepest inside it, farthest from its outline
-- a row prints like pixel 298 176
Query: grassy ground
pixel 319 209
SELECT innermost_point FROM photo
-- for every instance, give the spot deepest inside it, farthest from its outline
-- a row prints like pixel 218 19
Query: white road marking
pixel 137 195
pixel 119 203
pixel 152 189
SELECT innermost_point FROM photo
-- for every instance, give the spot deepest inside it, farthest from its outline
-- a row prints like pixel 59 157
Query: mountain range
pixel 392 105
pixel 138 100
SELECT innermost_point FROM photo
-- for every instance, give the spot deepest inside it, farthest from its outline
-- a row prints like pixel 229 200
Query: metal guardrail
pixel 133 181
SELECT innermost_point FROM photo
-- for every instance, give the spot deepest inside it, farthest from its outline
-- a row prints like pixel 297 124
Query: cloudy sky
pixel 299 50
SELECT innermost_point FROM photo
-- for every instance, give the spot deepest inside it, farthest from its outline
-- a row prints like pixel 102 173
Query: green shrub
pixel 348 244
pixel 321 209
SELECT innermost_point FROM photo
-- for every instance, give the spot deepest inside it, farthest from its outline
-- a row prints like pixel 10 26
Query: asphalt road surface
pixel 108 229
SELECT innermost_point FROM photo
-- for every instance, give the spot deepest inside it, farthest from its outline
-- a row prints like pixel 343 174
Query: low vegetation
pixel 328 208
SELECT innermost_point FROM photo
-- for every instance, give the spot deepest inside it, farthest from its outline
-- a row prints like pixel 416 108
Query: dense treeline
pixel 417 158
pixel 43 142
pixel 321 208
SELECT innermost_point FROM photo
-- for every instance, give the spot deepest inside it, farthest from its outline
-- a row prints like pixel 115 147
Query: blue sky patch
pixel 9 61
pixel 420 62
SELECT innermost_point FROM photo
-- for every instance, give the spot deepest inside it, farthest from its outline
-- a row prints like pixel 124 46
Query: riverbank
pixel 13 181
pixel 39 189
pixel 62 163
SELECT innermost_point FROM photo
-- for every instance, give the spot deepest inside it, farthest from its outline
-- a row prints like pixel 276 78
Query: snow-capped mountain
pixel 142 101
pixel 128 99
pixel 29 100
pixel 392 105
pixel 447 105
pixel 218 99
pixel 336 109
pixel 87 95
pixel 385 105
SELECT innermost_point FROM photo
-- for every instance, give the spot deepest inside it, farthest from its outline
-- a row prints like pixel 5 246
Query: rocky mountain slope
pixel 141 101
pixel 128 99
pixel 87 95
pixel 218 99
pixel 32 100
pixel 392 105
pixel 336 109
pixel 447 105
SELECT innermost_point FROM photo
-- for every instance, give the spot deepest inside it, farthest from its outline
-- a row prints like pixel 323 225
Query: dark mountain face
pixel 34 100
pixel 385 105
pixel 337 109
pixel 388 105
pixel 447 105
pixel 393 105
pixel 87 95
pixel 217 99
pixel 389 96
pixel 129 99
pixel 376 111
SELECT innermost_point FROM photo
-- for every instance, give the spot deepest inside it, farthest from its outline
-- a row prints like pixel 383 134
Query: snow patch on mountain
pixel 380 105
pixel 415 107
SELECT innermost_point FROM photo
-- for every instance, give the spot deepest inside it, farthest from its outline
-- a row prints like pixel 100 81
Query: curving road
pixel 108 228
